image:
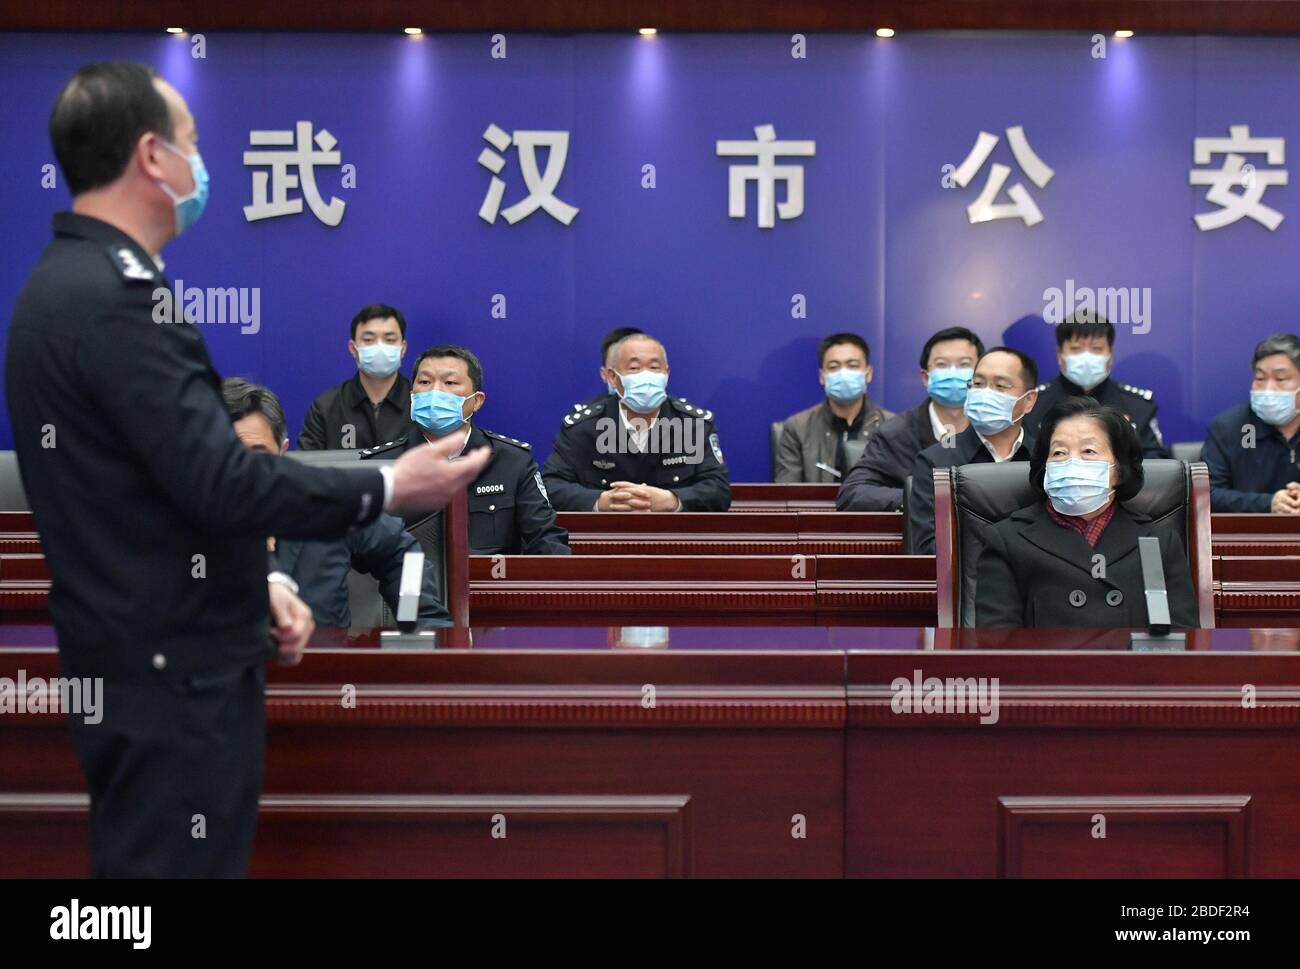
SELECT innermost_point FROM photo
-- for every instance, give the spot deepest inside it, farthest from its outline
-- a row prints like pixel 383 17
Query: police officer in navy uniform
pixel 509 510
pixel 642 450
pixel 153 517
pixel 1085 352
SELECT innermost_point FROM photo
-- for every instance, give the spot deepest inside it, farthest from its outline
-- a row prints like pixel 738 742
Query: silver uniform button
pixel 676 478
pixel 1114 597
pixel 159 661
pixel 1077 598
pixel 603 481
pixel 492 507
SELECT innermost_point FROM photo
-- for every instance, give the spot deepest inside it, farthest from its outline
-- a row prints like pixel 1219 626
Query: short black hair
pixel 1084 324
pixel 378 311
pixel 244 397
pixel 1284 343
pixel 613 336
pixel 951 333
pixel 460 353
pixel 1124 443
pixel 835 339
pixel 99 117
pixel 1028 368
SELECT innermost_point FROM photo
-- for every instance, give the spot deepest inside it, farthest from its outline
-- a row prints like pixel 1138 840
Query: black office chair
pixel 907 519
pixel 967 499
pixel 12 496
pixel 1189 451
pixel 443 535
pixel 776 429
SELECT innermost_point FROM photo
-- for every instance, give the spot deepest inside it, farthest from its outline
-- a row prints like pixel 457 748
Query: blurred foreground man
pixel 153 516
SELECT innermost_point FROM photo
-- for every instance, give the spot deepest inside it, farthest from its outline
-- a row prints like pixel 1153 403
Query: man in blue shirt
pixel 1251 448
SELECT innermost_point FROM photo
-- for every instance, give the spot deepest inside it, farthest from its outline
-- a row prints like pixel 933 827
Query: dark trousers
pixel 175 772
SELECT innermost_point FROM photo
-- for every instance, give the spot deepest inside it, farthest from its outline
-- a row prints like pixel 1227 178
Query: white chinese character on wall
pixel 290 155
pixel 1253 182
pixel 766 173
pixel 1022 204
pixel 540 185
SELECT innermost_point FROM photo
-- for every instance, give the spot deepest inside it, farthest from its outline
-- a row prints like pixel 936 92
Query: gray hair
pixel 1287 343
pixel 617 349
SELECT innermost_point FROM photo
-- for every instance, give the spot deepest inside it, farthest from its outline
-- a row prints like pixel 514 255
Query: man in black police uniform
pixel 153 517
pixel 1085 351
pixel 607 366
pixel 509 511
pixel 372 405
pixel 321 568
pixel 642 450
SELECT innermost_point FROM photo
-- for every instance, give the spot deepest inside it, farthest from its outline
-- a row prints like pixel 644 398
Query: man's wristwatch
pixel 284 579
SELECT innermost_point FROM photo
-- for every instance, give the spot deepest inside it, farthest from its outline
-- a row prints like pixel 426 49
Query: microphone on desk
pixel 408 596
pixel 1157 638
pixel 1153 579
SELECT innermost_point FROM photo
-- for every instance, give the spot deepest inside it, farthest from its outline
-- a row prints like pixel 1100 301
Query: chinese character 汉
pixel 540 185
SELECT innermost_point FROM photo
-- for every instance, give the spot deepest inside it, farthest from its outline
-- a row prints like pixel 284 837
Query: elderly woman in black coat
pixel 1071 558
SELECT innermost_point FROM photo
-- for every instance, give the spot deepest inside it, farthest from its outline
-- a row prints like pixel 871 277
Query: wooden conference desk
pixel 739 751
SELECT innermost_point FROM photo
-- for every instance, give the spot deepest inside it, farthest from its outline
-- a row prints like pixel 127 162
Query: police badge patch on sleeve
pixel 537 476
pixel 717 448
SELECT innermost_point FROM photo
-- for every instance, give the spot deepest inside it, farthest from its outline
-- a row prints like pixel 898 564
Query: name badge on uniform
pixel 489 489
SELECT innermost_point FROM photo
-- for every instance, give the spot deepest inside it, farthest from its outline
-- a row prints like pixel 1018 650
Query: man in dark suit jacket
pixel 1252 460
pixel 152 515
pixel 320 568
pixel 947 365
pixel 1002 393
pixel 1071 558
pixel 815 442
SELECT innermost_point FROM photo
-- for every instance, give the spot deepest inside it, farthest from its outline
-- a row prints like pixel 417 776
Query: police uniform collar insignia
pixel 129 264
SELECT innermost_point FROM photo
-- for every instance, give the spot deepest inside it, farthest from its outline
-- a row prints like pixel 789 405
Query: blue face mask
pixel 189 207
pixel 948 386
pixel 645 390
pixel 1085 370
pixel 1077 487
pixel 990 411
pixel 845 385
pixel 1276 407
pixel 438 411
pixel 379 359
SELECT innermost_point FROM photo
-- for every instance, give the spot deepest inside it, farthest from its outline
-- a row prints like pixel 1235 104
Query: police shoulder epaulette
pixel 509 440
pixel 129 266
pixel 379 449
pixel 1139 391
pixel 582 412
pixel 692 409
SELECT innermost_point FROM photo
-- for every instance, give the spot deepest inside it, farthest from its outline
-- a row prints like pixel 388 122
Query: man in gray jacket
pixel 821 443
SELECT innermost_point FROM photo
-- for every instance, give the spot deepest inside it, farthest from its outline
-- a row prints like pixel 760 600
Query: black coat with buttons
pixel 593 450
pixel 1034 572
pixel 510 512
